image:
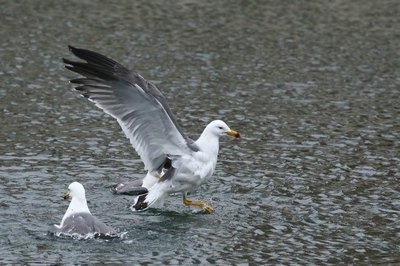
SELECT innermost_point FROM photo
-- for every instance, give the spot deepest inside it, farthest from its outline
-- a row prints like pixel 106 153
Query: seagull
pixel 78 219
pixel 174 162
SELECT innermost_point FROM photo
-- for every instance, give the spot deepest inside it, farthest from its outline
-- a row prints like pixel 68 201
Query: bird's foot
pixel 207 208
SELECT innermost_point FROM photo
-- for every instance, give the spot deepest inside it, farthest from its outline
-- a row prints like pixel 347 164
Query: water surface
pixel 312 87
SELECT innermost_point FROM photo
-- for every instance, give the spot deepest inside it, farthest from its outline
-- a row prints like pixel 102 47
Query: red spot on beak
pixel 237 136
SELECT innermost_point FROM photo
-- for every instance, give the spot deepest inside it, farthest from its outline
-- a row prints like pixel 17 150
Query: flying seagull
pixel 78 219
pixel 174 162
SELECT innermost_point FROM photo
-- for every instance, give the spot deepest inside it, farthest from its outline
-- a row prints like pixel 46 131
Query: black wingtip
pixel 69 67
pixel 140 204
pixel 66 61
pixel 79 52
pixel 94 58
pixel 72 48
pixel 76 51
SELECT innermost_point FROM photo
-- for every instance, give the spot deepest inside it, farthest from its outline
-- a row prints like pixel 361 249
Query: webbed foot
pixel 207 208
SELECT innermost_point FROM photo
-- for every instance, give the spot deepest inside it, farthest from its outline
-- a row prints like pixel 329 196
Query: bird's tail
pixel 140 203
pixel 156 194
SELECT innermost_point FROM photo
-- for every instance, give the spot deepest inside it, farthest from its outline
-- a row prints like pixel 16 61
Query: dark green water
pixel 312 86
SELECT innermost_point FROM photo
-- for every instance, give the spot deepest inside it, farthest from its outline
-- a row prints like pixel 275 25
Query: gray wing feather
pixel 139 107
pixel 83 223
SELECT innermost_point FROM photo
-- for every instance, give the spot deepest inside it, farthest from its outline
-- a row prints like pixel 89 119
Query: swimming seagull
pixel 174 162
pixel 78 219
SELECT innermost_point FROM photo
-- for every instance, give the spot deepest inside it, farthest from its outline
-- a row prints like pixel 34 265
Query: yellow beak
pixel 233 133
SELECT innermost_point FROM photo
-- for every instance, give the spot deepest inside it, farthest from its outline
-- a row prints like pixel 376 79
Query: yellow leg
pixel 202 205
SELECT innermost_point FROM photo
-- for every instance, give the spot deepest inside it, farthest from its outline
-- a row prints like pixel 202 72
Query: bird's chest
pixel 194 171
pixel 205 166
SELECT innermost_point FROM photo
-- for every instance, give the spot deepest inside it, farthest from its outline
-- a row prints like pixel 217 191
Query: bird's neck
pixel 208 143
pixel 76 205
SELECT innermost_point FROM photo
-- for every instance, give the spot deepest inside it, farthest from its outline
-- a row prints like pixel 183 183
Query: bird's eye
pixel 220 127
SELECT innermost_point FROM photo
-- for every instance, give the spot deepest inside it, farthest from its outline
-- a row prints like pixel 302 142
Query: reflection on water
pixel 313 88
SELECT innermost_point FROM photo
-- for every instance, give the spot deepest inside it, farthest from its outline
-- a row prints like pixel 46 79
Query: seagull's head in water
pixel 76 193
pixel 78 219
pixel 220 128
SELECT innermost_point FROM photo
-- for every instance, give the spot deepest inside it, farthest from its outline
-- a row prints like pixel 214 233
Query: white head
pixel 220 128
pixel 76 190
pixel 208 141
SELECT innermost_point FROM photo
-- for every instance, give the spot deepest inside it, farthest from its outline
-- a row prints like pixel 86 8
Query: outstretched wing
pixel 139 107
